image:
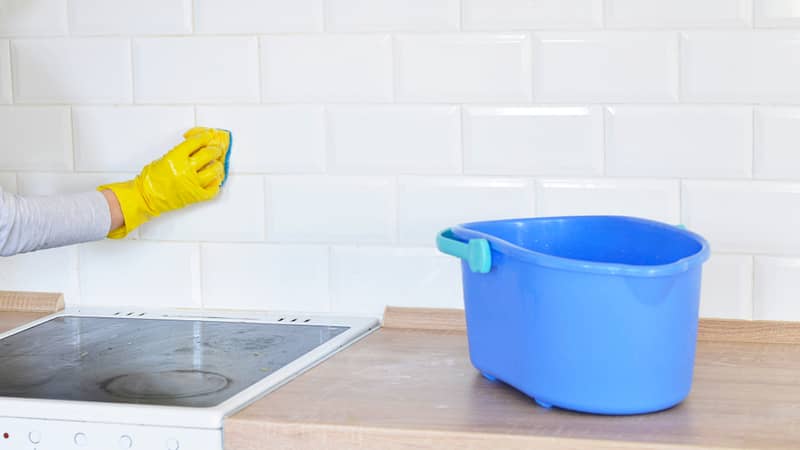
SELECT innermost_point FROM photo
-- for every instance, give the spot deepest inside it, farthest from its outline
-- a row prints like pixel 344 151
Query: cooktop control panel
pixel 32 434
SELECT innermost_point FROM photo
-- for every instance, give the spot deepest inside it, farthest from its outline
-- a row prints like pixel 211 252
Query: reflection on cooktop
pixel 191 363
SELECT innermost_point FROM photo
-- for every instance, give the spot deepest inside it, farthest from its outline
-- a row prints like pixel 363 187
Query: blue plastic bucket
pixel 595 313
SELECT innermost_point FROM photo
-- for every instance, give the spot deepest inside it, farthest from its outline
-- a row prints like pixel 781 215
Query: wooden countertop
pixel 410 385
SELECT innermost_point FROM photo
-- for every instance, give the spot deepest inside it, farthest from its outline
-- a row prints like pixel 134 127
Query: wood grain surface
pixel 45 302
pixel 408 387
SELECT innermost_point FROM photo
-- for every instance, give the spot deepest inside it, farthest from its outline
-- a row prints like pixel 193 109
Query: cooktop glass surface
pixel 194 363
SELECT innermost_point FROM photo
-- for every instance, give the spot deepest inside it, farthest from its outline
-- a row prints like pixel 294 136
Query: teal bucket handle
pixel 476 252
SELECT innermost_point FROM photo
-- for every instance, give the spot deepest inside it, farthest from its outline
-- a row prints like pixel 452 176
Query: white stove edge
pixel 210 418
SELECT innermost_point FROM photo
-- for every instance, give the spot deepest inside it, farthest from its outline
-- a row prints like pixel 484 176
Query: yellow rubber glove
pixel 191 172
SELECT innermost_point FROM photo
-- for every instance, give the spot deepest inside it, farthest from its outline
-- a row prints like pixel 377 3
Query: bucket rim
pixel 505 247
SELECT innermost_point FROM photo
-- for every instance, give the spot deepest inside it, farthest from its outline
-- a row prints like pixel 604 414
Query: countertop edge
pixel 239 436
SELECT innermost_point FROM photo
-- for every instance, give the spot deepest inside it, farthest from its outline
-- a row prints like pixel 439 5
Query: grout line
pixel 132 72
pixel 323 4
pixel 72 137
pixel 462 138
pixel 12 75
pixel 752 287
pixel 395 69
pixel 753 143
pixel 260 71
pixel 192 16
pixel 679 67
pixel 330 277
pixel 461 16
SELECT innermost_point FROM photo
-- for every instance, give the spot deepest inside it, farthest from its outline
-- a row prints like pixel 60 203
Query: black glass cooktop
pixel 191 363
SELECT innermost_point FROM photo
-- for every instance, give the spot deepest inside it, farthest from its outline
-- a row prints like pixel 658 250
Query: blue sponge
pixel 228 157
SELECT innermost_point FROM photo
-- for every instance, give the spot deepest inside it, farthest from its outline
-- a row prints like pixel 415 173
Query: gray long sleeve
pixel 35 223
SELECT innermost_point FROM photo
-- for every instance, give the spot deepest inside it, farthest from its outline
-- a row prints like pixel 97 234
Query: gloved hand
pixel 191 172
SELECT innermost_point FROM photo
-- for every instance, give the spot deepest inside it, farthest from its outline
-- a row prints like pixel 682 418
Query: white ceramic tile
pixel 271 139
pixel 740 66
pixel 533 140
pixel 8 181
pixel 35 138
pixel 394 139
pixel 776 143
pixel 5 71
pixel 727 287
pixel 50 183
pixel 531 14
pixel 679 13
pixel 605 66
pixel 96 70
pixel 679 141
pixel 124 139
pixel 427 205
pixel 33 18
pixel 144 274
pixel 364 280
pixel 776 295
pixel 54 270
pixel 94 17
pixel 651 199
pixel 474 67
pixel 237 214
pixel 186 70
pixel 265 277
pixel 257 16
pixel 330 209
pixel 744 217
pixel 777 13
pixel 392 15
pixel 327 68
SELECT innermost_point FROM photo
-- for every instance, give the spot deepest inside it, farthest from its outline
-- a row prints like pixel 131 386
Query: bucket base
pixel 489 377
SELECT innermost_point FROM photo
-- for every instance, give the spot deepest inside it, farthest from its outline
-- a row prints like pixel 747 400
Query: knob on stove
pixel 125 442
pixel 81 440
pixel 35 437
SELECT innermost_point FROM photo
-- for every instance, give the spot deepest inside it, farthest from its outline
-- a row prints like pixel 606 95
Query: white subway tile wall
pixel 531 14
pixel 37 138
pixel 679 141
pixel 740 66
pixel 394 139
pixel 777 288
pixel 607 66
pixel 115 17
pixel 777 13
pixel 652 199
pixel 74 70
pixel 361 128
pixel 257 16
pixel 382 15
pixel 679 13
pixel 527 140
pixel 466 67
pixel 124 138
pixel 8 181
pixel 427 205
pixel 777 134
pixel 727 287
pixel 198 69
pixel 327 68
pixel 272 139
pixel 33 18
pixel 5 71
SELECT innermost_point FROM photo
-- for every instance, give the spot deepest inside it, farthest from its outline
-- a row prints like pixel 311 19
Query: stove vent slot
pixel 294 319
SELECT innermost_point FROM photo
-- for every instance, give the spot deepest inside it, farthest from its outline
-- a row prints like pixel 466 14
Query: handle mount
pixel 476 252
